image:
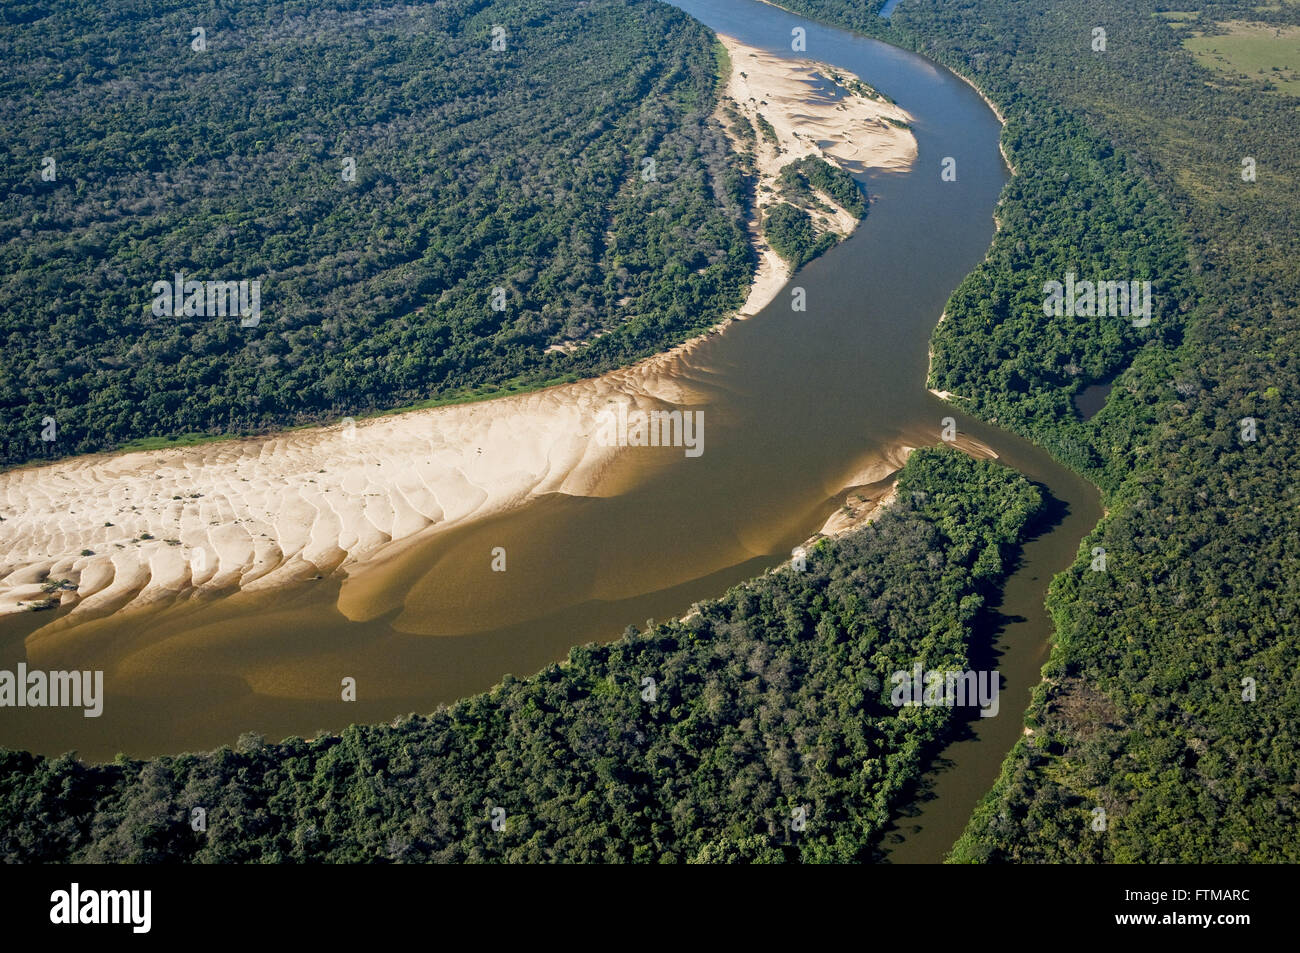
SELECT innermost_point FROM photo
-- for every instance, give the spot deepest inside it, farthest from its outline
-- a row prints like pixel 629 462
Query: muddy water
pixel 796 404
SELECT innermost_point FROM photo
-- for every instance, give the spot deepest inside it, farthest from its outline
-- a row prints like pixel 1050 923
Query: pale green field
pixel 1255 51
pixel 1178 18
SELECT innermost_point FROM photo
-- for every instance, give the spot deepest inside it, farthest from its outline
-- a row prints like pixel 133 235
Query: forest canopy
pixel 427 216
pixel 1170 702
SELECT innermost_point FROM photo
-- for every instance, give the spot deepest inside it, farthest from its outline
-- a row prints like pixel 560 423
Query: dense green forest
pixel 768 734
pixel 803 178
pixel 790 231
pixel 382 170
pixel 1171 702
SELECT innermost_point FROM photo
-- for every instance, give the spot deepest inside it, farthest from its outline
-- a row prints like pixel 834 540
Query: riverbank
pixel 929 369
pixel 1002 147
pixel 106 532
pixel 875 488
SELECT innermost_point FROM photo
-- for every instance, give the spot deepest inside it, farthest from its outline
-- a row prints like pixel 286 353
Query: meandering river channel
pixel 797 402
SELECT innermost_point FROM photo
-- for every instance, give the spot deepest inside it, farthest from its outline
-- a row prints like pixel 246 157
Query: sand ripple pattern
pixel 268 511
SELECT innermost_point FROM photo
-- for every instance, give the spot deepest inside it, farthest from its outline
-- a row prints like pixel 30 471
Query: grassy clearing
pixel 1257 52
pixel 722 66
pixel 1178 18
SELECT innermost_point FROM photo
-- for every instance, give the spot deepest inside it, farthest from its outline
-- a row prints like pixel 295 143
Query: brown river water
pixel 795 405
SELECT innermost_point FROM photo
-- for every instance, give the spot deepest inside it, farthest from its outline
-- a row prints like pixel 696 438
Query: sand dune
pixel 817 109
pixel 813 109
pixel 270 511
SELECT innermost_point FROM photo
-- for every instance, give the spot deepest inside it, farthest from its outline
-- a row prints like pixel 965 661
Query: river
pixel 796 403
